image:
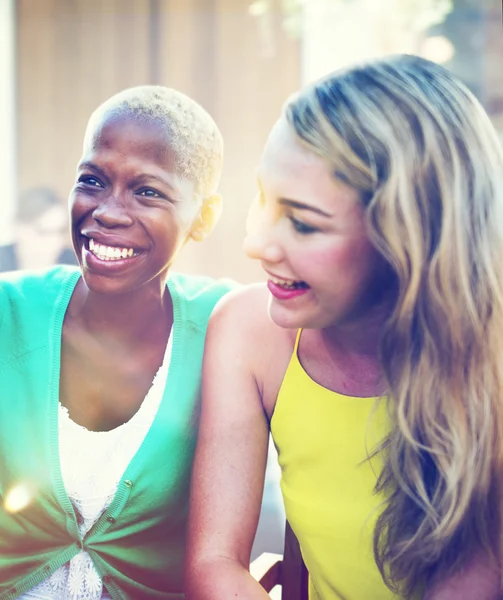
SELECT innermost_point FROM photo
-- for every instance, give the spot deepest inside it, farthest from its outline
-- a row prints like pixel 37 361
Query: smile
pixel 110 252
pixel 289 284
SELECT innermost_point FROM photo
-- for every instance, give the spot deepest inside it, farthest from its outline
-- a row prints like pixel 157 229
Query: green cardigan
pixel 137 545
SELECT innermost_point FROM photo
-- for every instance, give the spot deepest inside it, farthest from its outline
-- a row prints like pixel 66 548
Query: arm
pixel 230 461
pixel 480 579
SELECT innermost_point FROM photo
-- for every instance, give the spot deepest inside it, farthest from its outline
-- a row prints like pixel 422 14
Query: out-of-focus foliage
pixel 414 15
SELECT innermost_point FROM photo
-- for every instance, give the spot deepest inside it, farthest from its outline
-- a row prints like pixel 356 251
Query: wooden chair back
pixel 287 570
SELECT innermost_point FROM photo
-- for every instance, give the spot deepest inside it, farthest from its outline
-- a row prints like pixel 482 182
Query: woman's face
pixel 131 212
pixel 308 230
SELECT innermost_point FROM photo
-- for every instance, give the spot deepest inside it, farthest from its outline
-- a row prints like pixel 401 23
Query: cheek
pixel 79 205
pixel 341 265
pixel 327 261
pixel 168 232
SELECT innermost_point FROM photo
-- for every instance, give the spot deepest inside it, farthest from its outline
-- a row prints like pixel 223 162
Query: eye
pixel 90 180
pixel 302 228
pixel 149 193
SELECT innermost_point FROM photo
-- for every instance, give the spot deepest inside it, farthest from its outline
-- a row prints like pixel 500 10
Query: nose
pixel 262 241
pixel 113 213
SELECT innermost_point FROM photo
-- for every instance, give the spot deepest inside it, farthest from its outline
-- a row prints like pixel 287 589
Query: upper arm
pixel 231 453
pixel 480 579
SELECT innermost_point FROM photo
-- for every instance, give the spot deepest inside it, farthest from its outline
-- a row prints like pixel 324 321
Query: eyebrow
pixel 92 167
pixel 303 206
pixel 295 203
pixel 146 176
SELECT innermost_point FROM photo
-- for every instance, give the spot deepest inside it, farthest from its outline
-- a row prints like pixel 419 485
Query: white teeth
pixel 287 283
pixel 282 281
pixel 109 252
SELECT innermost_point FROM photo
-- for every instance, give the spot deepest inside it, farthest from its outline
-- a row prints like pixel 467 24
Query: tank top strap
pixel 297 341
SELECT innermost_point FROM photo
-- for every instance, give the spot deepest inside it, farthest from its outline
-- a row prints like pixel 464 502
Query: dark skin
pixel 127 196
pixel 106 370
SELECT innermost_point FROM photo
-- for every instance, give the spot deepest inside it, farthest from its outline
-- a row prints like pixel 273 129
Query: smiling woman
pixel 101 366
pixel 374 354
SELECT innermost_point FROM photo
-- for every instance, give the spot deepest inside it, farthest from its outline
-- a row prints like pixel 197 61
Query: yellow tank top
pixel 323 439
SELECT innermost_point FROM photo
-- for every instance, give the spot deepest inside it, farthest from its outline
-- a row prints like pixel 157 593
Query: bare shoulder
pixel 240 327
pixel 247 304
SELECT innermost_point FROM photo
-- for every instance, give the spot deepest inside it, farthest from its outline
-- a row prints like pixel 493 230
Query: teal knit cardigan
pixel 137 545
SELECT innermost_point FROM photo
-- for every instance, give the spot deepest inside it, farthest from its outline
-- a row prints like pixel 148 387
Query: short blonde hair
pixel 192 133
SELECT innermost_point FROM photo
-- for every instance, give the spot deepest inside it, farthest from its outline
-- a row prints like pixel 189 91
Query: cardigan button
pixel 128 483
pixel 111 520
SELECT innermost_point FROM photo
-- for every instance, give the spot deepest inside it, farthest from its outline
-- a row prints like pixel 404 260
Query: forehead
pixel 130 138
pixel 131 148
pixel 287 163
pixel 288 169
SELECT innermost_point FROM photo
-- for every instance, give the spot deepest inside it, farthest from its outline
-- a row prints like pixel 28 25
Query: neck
pixel 355 341
pixel 354 348
pixel 135 316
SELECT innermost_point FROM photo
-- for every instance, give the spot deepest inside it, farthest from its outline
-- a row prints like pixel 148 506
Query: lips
pixel 110 250
pixel 286 293
pixel 286 289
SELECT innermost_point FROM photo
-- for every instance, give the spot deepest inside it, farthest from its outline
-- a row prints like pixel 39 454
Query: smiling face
pixel 131 212
pixel 308 230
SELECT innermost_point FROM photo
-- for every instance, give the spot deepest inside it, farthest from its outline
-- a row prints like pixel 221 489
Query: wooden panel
pixel 72 56
pixel 36 91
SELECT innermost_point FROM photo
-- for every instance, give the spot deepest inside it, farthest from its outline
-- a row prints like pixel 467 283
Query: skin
pixel 342 315
pixel 127 194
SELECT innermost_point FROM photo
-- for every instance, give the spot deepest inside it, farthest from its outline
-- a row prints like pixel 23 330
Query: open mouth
pixel 289 284
pixel 106 253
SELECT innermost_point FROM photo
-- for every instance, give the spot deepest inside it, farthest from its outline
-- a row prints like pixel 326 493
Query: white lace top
pixel 92 464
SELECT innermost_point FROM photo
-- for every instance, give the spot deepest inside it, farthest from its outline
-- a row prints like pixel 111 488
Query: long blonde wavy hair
pixel 429 165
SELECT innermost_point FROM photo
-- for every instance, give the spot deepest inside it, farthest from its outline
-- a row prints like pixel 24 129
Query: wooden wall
pixel 73 54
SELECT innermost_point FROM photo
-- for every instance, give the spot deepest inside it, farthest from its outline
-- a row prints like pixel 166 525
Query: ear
pixel 207 218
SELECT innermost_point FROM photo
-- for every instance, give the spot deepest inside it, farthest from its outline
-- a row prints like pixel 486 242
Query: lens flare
pixel 19 496
pixel 438 48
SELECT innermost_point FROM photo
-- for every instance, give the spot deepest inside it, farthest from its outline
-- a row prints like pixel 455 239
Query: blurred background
pixel 240 59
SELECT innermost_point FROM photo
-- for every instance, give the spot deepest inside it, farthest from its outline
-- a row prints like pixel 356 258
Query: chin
pixel 297 319
pixel 105 286
pixel 287 319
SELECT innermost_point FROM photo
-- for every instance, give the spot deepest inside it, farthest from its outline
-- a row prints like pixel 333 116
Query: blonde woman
pixel 374 353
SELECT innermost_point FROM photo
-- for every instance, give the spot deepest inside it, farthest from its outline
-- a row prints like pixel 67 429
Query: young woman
pixel 101 367
pixel 374 353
